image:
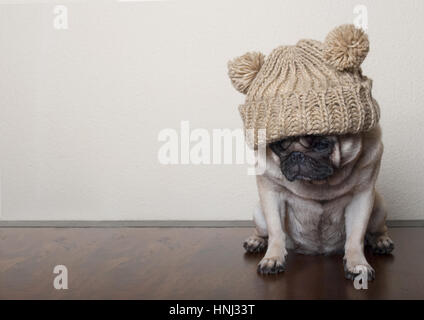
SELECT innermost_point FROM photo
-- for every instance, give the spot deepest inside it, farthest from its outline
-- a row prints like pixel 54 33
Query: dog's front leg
pixel 357 215
pixel 274 260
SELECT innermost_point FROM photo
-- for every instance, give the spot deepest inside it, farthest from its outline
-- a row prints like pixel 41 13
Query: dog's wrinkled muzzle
pixel 298 166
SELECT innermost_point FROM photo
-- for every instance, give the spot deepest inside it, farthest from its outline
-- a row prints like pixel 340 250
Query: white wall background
pixel 81 109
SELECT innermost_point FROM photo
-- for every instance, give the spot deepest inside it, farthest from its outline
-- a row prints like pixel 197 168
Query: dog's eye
pixel 285 144
pixel 281 146
pixel 321 145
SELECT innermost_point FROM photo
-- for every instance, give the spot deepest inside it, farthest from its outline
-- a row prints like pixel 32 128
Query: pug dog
pixel 318 196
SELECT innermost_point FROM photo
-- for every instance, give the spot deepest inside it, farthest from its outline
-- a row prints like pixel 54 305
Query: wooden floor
pixel 189 263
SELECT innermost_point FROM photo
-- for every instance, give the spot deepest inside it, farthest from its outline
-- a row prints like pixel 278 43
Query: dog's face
pixel 310 158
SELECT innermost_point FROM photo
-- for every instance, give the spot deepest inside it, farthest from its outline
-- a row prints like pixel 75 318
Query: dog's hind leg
pixel 258 241
pixel 377 235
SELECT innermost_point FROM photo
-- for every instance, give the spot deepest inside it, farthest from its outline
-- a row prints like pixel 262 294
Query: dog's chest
pixel 317 226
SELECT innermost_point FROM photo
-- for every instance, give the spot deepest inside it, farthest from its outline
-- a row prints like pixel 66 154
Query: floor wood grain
pixel 189 263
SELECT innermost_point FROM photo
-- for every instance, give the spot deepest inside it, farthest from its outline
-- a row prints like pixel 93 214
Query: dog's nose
pixel 297 156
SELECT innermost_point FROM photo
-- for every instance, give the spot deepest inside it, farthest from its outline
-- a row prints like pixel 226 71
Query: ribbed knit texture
pixel 299 92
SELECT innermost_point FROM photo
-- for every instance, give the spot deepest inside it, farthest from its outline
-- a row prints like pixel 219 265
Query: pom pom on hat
pixel 243 70
pixel 346 47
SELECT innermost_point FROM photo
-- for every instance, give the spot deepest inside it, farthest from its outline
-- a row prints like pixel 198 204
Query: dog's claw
pixel 382 245
pixel 272 265
pixel 352 273
pixel 255 244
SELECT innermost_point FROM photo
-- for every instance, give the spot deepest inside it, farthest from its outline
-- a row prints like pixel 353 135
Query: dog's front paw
pixel 353 269
pixel 381 244
pixel 255 244
pixel 272 265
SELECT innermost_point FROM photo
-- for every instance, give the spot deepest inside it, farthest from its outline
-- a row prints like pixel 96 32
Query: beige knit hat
pixel 306 89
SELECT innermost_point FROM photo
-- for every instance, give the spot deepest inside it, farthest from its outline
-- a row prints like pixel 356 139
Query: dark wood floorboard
pixel 189 263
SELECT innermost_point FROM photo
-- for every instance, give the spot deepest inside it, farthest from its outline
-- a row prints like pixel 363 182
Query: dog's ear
pixel 350 147
pixel 243 70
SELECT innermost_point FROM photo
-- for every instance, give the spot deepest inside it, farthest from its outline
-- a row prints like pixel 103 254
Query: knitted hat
pixel 311 88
